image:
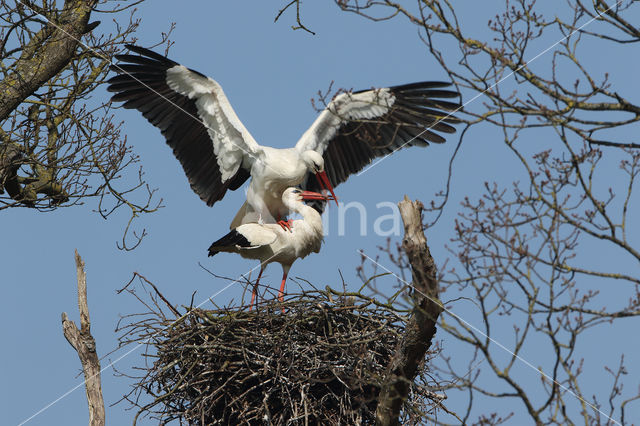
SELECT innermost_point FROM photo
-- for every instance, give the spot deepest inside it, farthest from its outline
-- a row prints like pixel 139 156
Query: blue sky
pixel 269 73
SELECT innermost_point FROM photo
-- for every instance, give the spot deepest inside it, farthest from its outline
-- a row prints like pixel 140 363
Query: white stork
pixel 271 243
pixel 218 153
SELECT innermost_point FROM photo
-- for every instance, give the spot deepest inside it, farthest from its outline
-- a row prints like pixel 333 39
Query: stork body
pixel 270 243
pixel 218 153
pixel 279 170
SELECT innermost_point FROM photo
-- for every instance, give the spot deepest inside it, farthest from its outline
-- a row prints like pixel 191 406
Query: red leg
pixel 286 224
pixel 281 292
pixel 255 288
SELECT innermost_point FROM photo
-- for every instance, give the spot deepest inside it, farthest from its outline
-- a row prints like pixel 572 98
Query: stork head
pixel 313 161
pixel 315 164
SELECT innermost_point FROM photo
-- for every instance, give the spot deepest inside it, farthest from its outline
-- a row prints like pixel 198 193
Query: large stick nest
pixel 320 363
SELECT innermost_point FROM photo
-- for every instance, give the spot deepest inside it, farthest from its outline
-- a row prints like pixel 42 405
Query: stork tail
pixel 232 239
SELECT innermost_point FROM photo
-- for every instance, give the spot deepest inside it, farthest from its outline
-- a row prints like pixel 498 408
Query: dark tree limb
pixel 84 343
pixel 10 156
pixel 421 326
pixel 300 25
pixel 46 54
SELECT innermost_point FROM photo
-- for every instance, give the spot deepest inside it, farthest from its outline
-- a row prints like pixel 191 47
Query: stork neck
pixel 310 216
pixel 307 212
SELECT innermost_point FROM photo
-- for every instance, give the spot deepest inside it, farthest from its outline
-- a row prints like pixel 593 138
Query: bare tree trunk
pixel 46 54
pixel 421 326
pixel 84 343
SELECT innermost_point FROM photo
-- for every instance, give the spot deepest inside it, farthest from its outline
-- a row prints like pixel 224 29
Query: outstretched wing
pixel 194 115
pixel 357 127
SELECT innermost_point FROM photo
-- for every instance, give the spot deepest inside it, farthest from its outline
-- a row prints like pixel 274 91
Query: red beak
pixel 309 195
pixel 324 183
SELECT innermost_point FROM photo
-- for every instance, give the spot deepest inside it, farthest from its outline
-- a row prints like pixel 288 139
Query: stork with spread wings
pixel 218 153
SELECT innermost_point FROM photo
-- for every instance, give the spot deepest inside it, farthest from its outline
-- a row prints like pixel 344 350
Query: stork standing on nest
pixel 270 243
pixel 218 153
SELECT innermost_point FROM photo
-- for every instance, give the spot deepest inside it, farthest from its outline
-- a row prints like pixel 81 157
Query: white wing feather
pixel 232 142
pixel 343 108
pixel 258 235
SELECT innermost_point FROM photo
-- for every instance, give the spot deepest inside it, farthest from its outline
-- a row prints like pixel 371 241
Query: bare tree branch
pixel 300 25
pixel 519 250
pixel 421 326
pixel 59 145
pixel 46 54
pixel 85 345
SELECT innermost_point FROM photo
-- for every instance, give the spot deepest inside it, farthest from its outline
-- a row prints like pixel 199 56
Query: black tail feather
pixel 232 239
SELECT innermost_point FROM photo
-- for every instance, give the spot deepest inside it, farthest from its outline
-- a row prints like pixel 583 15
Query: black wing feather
pixel 141 84
pixel 418 112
